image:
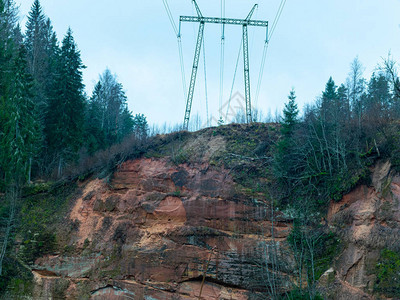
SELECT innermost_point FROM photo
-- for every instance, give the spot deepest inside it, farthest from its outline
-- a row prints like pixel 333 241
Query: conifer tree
pixel 379 98
pixel 35 38
pixel 35 43
pixel 66 106
pixel 18 127
pixel 126 123
pixel 290 115
pixel 42 55
pixel 108 119
pixel 94 116
pixel 140 126
pixel 284 157
pixel 8 21
pixel 328 102
pixel 7 53
pixel 52 52
pixel 343 101
pixel 20 131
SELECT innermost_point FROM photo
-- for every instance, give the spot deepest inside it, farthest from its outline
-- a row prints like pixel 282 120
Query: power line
pixel 180 50
pixel 182 63
pixel 234 78
pixel 254 33
pixel 266 45
pixel 205 81
pixel 277 17
pixel 171 19
pixel 261 74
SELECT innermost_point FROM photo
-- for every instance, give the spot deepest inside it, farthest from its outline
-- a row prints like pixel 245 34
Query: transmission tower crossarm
pixel 227 21
pixel 196 59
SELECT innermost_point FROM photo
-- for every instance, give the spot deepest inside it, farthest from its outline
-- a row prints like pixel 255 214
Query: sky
pixel 313 40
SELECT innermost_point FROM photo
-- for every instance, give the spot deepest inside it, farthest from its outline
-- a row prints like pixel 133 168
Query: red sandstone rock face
pixel 367 219
pixel 150 231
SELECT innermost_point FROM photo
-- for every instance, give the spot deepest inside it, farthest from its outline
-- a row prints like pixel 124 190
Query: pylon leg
pixel 247 73
pixel 194 74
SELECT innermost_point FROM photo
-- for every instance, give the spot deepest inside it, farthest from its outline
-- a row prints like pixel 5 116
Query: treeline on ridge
pixel 327 150
pixel 46 120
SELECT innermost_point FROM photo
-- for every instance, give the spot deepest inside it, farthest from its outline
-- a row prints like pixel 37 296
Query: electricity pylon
pixel 202 20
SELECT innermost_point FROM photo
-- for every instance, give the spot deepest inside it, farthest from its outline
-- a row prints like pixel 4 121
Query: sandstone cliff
pixel 160 223
pixel 156 227
pixel 367 220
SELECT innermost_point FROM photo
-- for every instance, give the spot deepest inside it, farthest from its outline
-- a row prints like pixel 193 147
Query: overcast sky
pixel 314 39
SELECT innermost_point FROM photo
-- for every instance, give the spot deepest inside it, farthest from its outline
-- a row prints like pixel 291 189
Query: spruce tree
pixel 328 101
pixel 18 127
pixel 8 21
pixel 140 126
pixel 379 98
pixel 20 131
pixel 35 38
pixel 35 42
pixel 286 147
pixel 290 115
pixel 126 123
pixel 8 52
pixel 108 119
pixel 42 55
pixel 65 117
pixel 94 116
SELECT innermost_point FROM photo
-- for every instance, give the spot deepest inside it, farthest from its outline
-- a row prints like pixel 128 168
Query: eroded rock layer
pixel 155 229
pixel 367 220
pixel 158 226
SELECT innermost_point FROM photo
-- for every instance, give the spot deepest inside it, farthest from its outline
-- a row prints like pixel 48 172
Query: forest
pixel 50 129
pixel 47 120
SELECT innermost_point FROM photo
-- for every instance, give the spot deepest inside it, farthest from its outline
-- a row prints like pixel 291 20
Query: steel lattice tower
pixel 227 21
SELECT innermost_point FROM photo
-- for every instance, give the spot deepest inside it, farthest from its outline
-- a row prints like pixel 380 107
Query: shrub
pixel 388 274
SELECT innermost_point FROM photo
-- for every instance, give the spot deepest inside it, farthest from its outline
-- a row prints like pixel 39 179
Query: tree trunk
pixel 12 193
